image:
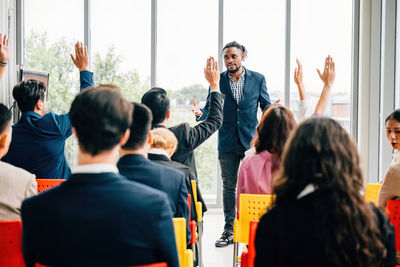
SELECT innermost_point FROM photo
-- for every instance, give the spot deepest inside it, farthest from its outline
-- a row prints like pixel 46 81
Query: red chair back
pixel 161 264
pixel 46 184
pixel 393 208
pixel 11 244
pixel 249 256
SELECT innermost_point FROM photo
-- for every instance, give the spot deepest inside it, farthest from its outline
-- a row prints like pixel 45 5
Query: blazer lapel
pixel 248 84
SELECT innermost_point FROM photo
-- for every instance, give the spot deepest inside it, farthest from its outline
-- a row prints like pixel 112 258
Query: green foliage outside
pixel 54 58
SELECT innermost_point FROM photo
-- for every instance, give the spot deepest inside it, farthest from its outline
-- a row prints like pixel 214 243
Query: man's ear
pixel 150 138
pixel 243 56
pixel 168 114
pixel 125 137
pixel 3 140
pixel 39 105
pixel 74 132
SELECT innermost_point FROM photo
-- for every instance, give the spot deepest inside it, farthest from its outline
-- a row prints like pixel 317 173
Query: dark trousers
pixel 229 162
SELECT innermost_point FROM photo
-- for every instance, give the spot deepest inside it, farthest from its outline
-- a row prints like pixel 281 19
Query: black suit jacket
pixel 98 220
pixel 139 169
pixel 189 138
pixel 164 160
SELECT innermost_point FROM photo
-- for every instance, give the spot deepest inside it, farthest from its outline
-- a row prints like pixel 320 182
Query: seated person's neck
pixel 107 157
pixel 141 151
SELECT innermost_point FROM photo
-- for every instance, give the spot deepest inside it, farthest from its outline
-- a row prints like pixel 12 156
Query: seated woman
pixel 391 183
pixel 163 146
pixel 256 172
pixel 319 217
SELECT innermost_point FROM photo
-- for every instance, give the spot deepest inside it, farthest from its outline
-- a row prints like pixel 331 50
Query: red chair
pixel 46 184
pixel 247 258
pixel 393 208
pixel 11 244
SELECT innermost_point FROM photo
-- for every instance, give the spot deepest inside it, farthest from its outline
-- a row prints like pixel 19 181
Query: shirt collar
pixel 158 152
pixel 95 168
pixel 241 77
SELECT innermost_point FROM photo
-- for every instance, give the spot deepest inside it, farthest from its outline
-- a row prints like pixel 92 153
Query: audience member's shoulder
pixel 17 173
pixel 182 127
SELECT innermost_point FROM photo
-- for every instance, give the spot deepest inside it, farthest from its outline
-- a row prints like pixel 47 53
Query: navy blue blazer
pixel 98 220
pixel 240 121
pixel 38 142
pixel 139 169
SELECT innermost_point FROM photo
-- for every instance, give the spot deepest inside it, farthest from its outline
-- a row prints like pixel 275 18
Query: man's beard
pixel 233 71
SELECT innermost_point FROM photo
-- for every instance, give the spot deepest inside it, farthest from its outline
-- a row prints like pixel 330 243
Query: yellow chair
pixel 251 207
pixel 199 212
pixel 185 255
pixel 371 192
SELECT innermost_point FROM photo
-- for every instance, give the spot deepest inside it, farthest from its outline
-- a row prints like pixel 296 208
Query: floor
pixel 213 226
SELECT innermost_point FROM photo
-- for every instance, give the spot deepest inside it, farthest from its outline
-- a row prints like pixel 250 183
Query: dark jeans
pixel 229 162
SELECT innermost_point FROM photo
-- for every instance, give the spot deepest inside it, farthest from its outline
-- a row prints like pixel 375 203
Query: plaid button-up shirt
pixel 237 87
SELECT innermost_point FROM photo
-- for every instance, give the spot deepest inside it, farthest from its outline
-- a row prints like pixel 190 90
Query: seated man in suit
pixel 16 184
pixel 134 165
pixel 98 217
pixel 39 137
pixel 189 138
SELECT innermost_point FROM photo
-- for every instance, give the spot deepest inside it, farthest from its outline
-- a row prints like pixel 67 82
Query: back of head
pixel 100 116
pixel 164 139
pixel 157 100
pixel 5 117
pixel 28 93
pixel 321 153
pixel 276 124
pixel 140 127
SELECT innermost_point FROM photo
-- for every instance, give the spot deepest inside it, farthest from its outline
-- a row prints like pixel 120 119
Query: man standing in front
pixel 244 90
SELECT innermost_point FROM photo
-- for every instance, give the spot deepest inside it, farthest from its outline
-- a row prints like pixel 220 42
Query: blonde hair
pixel 164 139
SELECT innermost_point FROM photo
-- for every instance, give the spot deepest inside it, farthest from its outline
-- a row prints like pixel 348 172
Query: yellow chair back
pixel 198 205
pixel 251 207
pixel 371 192
pixel 185 255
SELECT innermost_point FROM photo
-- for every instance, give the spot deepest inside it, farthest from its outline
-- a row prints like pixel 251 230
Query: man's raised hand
pixel 4 51
pixel 196 109
pixel 211 73
pixel 81 59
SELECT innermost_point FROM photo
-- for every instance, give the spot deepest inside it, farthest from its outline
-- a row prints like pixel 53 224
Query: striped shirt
pixel 237 87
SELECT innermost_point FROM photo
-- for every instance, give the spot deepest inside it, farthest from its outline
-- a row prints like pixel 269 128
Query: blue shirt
pixel 38 142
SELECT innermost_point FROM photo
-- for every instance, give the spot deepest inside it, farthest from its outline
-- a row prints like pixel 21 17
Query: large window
pixel 320 28
pixel 121 45
pixel 259 25
pixel 187 35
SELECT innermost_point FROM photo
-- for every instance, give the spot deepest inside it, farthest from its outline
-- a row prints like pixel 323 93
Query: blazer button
pixel 237 110
pixel 238 122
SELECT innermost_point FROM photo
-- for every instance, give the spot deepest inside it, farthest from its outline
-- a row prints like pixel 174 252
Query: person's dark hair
pixel 100 116
pixel 5 117
pixel 321 153
pixel 140 127
pixel 395 115
pixel 237 45
pixel 157 101
pixel 276 124
pixel 28 93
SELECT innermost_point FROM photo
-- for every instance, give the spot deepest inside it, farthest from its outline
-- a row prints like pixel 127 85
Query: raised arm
pixel 327 77
pixel 81 61
pixel 4 54
pixel 214 109
pixel 298 80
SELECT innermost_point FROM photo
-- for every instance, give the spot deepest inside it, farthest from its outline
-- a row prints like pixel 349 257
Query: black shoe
pixel 225 239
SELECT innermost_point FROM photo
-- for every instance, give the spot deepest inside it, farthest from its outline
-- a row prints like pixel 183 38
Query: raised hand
pixel 196 109
pixel 298 79
pixel 81 59
pixel 4 51
pixel 328 76
pixel 211 73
